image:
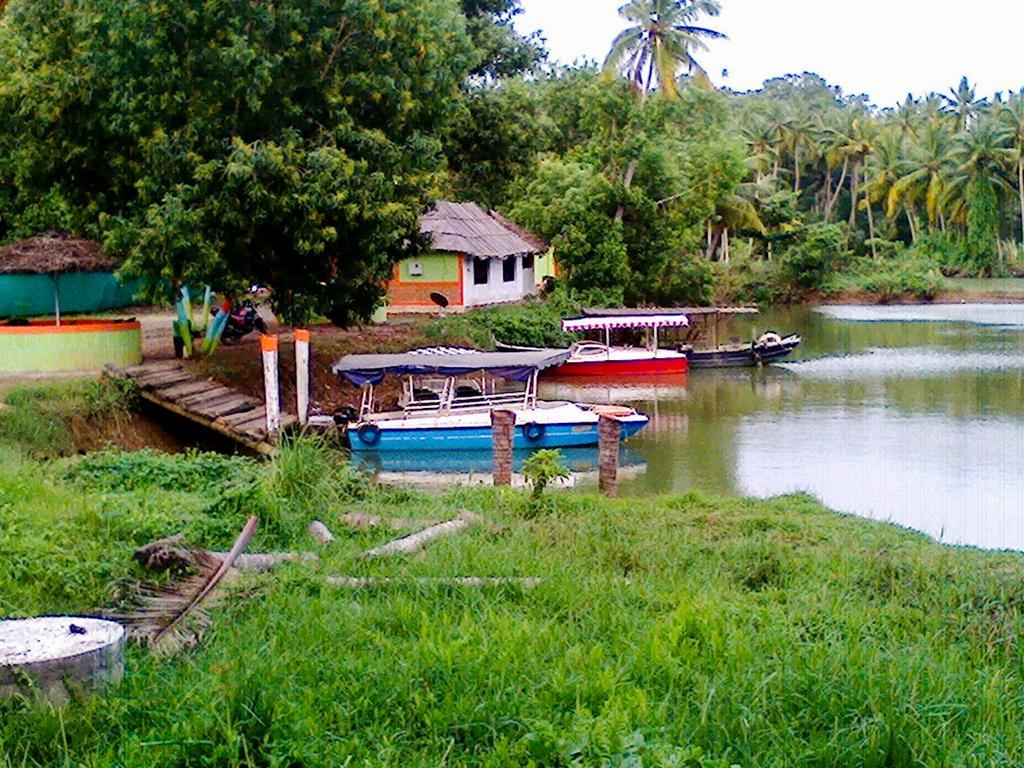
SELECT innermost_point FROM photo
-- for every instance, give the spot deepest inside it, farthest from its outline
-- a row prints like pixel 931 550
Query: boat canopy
pixel 686 311
pixel 514 366
pixel 666 319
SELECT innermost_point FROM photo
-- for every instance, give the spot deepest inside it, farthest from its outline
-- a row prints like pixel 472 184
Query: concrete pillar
pixel 268 345
pixel 503 424
pixel 302 374
pixel 609 432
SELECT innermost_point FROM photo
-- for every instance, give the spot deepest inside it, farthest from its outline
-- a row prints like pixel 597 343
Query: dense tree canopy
pixel 293 144
pixel 296 145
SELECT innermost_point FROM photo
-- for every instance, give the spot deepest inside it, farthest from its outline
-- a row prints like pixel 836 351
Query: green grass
pixel 677 631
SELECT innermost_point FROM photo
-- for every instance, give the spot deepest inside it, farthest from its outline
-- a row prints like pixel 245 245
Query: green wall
pixel 32 295
pixel 80 350
pixel 437 268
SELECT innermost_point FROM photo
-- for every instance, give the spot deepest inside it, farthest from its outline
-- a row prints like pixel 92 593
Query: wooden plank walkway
pixel 226 411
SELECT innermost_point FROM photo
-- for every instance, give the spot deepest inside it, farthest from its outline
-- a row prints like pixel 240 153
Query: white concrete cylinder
pixel 59 656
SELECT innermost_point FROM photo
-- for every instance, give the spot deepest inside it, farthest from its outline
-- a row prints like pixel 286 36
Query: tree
pixel 924 177
pixel 974 191
pixel 963 102
pixel 660 42
pixel 291 144
pixel 1011 117
pixel 501 51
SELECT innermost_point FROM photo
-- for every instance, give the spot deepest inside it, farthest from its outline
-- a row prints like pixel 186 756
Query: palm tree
pixel 1011 117
pixel 735 210
pixel 884 169
pixel 803 136
pixel 854 143
pixel 661 40
pixel 963 102
pixel 925 174
pixel 975 189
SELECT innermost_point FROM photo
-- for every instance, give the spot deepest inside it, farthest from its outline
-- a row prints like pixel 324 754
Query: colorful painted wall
pixel 415 279
pixel 32 295
pixel 76 345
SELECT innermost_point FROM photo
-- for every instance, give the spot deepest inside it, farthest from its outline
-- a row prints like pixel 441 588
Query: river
pixel 912 415
pixel 908 414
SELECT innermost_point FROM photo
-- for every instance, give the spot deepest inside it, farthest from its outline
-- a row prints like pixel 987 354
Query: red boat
pixel 594 358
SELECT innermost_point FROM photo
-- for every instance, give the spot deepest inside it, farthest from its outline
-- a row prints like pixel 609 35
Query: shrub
pixel 541 469
pixel 818 253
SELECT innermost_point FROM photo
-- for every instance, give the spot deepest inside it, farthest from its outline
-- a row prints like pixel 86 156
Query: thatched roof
pixel 54 253
pixel 468 228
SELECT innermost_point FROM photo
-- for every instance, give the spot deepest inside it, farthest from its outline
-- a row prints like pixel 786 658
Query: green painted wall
pixel 32 295
pixel 437 268
pixel 544 266
pixel 79 351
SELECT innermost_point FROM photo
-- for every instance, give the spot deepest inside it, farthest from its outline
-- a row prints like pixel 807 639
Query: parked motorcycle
pixel 243 320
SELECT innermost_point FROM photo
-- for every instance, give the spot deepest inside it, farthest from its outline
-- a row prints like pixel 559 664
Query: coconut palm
pixel 1011 117
pixel 734 211
pixel 963 102
pixel 660 41
pixel 883 170
pixel 854 142
pixel 923 181
pixel 980 157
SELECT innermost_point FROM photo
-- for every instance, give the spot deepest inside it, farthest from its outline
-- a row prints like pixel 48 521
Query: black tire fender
pixel 533 432
pixel 369 434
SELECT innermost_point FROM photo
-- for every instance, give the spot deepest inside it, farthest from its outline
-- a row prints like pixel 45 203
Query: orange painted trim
pixel 268 343
pixel 302 335
pixel 38 327
pixel 431 285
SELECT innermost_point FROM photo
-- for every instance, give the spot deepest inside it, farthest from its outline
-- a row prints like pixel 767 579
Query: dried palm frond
pixel 170 618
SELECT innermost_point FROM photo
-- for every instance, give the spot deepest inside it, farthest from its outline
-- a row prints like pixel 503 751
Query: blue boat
pixel 448 396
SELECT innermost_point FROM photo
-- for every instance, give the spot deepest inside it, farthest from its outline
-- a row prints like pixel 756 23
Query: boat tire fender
pixel 768 338
pixel 533 432
pixel 369 434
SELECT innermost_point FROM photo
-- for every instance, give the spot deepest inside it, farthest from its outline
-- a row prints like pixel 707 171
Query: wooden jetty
pixel 240 418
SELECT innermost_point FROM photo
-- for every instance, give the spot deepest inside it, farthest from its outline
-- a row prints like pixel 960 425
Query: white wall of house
pixel 496 290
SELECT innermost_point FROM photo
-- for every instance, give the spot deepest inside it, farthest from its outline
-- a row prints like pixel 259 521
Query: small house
pixel 476 257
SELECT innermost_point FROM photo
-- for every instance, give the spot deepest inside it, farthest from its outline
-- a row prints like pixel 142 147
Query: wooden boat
pixel 602 359
pixel 448 396
pixel 701 339
pixel 767 348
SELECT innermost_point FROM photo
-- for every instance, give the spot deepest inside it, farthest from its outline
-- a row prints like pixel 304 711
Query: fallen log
pixel 166 555
pixel 414 542
pixel 356 582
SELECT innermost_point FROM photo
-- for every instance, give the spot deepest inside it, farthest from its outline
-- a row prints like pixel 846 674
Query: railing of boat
pixel 467 403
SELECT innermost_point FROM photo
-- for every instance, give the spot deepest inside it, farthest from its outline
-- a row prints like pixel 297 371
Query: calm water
pixel 913 415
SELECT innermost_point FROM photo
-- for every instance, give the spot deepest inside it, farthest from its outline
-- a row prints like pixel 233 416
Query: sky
pixel 884 48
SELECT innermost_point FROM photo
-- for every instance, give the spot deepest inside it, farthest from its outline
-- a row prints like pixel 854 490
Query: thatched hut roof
pixel 54 253
pixel 468 228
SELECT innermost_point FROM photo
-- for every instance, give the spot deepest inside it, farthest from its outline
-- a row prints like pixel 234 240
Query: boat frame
pixel 596 359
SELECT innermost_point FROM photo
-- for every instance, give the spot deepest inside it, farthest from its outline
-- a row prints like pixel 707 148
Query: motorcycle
pixel 243 320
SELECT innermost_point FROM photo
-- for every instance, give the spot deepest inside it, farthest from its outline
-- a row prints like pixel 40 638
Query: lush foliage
pixel 289 144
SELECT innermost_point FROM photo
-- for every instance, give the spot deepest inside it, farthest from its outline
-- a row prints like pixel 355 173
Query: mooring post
pixel 268 344
pixel 502 425
pixel 609 432
pixel 302 374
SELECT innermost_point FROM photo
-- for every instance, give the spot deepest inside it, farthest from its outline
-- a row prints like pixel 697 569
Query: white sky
pixel 885 48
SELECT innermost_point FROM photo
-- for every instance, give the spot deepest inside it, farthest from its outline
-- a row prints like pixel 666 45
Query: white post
pixel 302 374
pixel 268 344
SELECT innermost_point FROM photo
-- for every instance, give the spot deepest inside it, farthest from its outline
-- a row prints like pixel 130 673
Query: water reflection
pixel 912 415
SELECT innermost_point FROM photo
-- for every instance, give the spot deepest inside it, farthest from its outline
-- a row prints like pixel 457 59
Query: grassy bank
pixel 681 631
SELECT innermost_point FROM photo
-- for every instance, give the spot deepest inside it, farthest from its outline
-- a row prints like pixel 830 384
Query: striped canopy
pixel 625 321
